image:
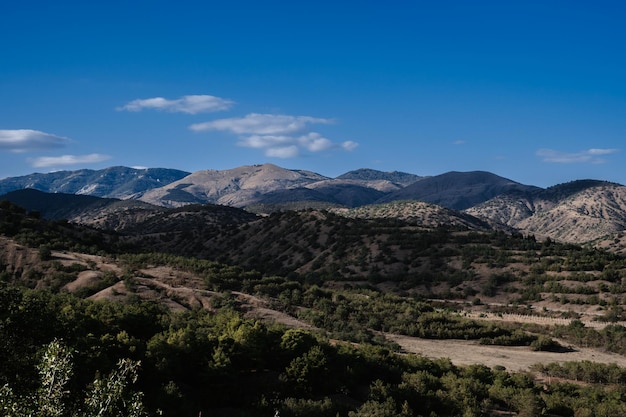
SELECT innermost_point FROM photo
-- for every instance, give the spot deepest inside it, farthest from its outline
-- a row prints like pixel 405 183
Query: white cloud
pixel 349 145
pixel 264 141
pixel 588 156
pixel 602 151
pixel 283 152
pixel 24 140
pixel 57 161
pixel 458 142
pixel 193 104
pixel 314 142
pixel 282 136
pixel 261 124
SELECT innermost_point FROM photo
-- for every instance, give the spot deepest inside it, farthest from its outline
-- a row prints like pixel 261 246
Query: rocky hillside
pixel 579 211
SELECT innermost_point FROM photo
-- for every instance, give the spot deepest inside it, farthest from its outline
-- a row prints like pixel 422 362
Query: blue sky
pixel 534 91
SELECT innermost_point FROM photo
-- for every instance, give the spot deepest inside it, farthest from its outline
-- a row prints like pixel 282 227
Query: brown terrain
pixel 179 290
pixel 589 215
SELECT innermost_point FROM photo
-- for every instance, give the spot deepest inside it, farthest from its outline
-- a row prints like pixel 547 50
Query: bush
pixel 545 343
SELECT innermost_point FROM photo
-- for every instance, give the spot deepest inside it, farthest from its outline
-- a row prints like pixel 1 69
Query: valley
pixel 278 295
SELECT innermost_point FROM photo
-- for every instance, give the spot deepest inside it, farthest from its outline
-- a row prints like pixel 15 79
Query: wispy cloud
pixel 193 104
pixel 314 142
pixel 593 156
pixel 458 142
pixel 282 136
pixel 261 124
pixel 264 141
pixel 349 145
pixel 283 152
pixel 24 140
pixel 65 160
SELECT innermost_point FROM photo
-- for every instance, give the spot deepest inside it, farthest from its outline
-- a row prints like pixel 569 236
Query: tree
pixel 108 397
pixel 308 372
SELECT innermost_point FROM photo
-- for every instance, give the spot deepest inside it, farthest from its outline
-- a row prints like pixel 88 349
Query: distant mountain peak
pixel 113 182
pixel 458 190
pixel 238 187
pixel 367 174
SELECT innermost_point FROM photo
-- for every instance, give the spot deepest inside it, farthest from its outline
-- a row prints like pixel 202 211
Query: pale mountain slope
pixel 576 212
pixel 509 209
pixel 270 184
pixel 585 216
pixel 236 187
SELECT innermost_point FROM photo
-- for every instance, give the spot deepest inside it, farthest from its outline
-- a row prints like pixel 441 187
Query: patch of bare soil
pixel 462 352
pixel 115 292
pixel 257 308
pixel 94 261
pixel 84 279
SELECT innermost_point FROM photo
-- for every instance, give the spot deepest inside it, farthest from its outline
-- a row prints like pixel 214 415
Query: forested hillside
pixel 179 302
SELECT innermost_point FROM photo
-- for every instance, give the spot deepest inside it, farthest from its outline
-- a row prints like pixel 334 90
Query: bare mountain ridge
pixel 270 184
pixel 236 187
pixel 248 185
pixel 578 211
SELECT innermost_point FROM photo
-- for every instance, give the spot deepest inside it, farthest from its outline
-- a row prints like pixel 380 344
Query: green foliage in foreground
pixel 222 365
pixel 107 397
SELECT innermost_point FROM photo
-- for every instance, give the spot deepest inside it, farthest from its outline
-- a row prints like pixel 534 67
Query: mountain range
pixel 578 212
pixel 114 182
